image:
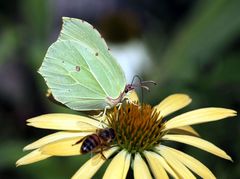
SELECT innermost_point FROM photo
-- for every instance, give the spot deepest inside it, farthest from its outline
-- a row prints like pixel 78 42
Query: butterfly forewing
pixel 85 33
pixel 79 69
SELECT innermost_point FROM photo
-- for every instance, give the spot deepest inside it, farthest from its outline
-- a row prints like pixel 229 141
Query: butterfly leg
pixel 99 115
pixel 119 105
pixel 102 115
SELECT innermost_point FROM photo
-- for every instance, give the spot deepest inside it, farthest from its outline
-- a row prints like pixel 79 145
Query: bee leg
pixel 92 153
pixel 79 141
pixel 114 145
pixel 101 152
pixel 103 156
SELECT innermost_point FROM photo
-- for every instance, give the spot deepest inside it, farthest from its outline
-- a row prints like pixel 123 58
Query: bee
pixel 97 142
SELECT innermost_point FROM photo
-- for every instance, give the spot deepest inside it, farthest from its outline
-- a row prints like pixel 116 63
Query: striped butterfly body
pixel 80 71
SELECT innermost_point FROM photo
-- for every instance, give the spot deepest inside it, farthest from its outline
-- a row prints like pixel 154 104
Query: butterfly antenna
pixel 142 84
pixel 149 82
pixel 136 76
pixel 138 85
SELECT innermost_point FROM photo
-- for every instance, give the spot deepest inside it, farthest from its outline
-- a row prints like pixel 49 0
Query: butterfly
pixel 81 72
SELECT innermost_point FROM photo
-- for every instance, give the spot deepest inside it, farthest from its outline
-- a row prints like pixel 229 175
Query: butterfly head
pixel 141 84
pixel 129 87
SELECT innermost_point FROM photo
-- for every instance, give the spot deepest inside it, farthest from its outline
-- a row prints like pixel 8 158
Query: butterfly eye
pixel 128 88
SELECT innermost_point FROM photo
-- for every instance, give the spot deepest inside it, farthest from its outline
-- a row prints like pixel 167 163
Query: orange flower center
pixel 137 128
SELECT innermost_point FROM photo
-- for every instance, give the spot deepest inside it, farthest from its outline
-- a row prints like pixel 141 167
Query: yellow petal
pixel 186 130
pixel 166 166
pixel 175 163
pixel 64 122
pixel 140 168
pixel 155 165
pixel 63 147
pixel 192 163
pixel 172 103
pixel 91 166
pixel 199 143
pixel 126 166
pixel 32 157
pixel 119 166
pixel 198 116
pixel 133 97
pixel 55 137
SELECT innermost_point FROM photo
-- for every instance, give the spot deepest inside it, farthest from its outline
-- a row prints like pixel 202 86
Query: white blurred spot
pixel 133 58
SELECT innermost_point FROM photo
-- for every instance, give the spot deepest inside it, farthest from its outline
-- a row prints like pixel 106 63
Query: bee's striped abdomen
pixel 91 142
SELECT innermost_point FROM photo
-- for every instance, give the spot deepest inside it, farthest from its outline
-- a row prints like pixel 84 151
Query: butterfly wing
pixel 85 33
pixel 79 69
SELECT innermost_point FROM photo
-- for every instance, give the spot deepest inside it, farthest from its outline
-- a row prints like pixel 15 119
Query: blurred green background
pixel 191 47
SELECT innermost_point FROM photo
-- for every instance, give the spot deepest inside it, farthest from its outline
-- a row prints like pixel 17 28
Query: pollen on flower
pixel 137 128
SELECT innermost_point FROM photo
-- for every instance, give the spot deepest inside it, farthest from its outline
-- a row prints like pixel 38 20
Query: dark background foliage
pixel 194 48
